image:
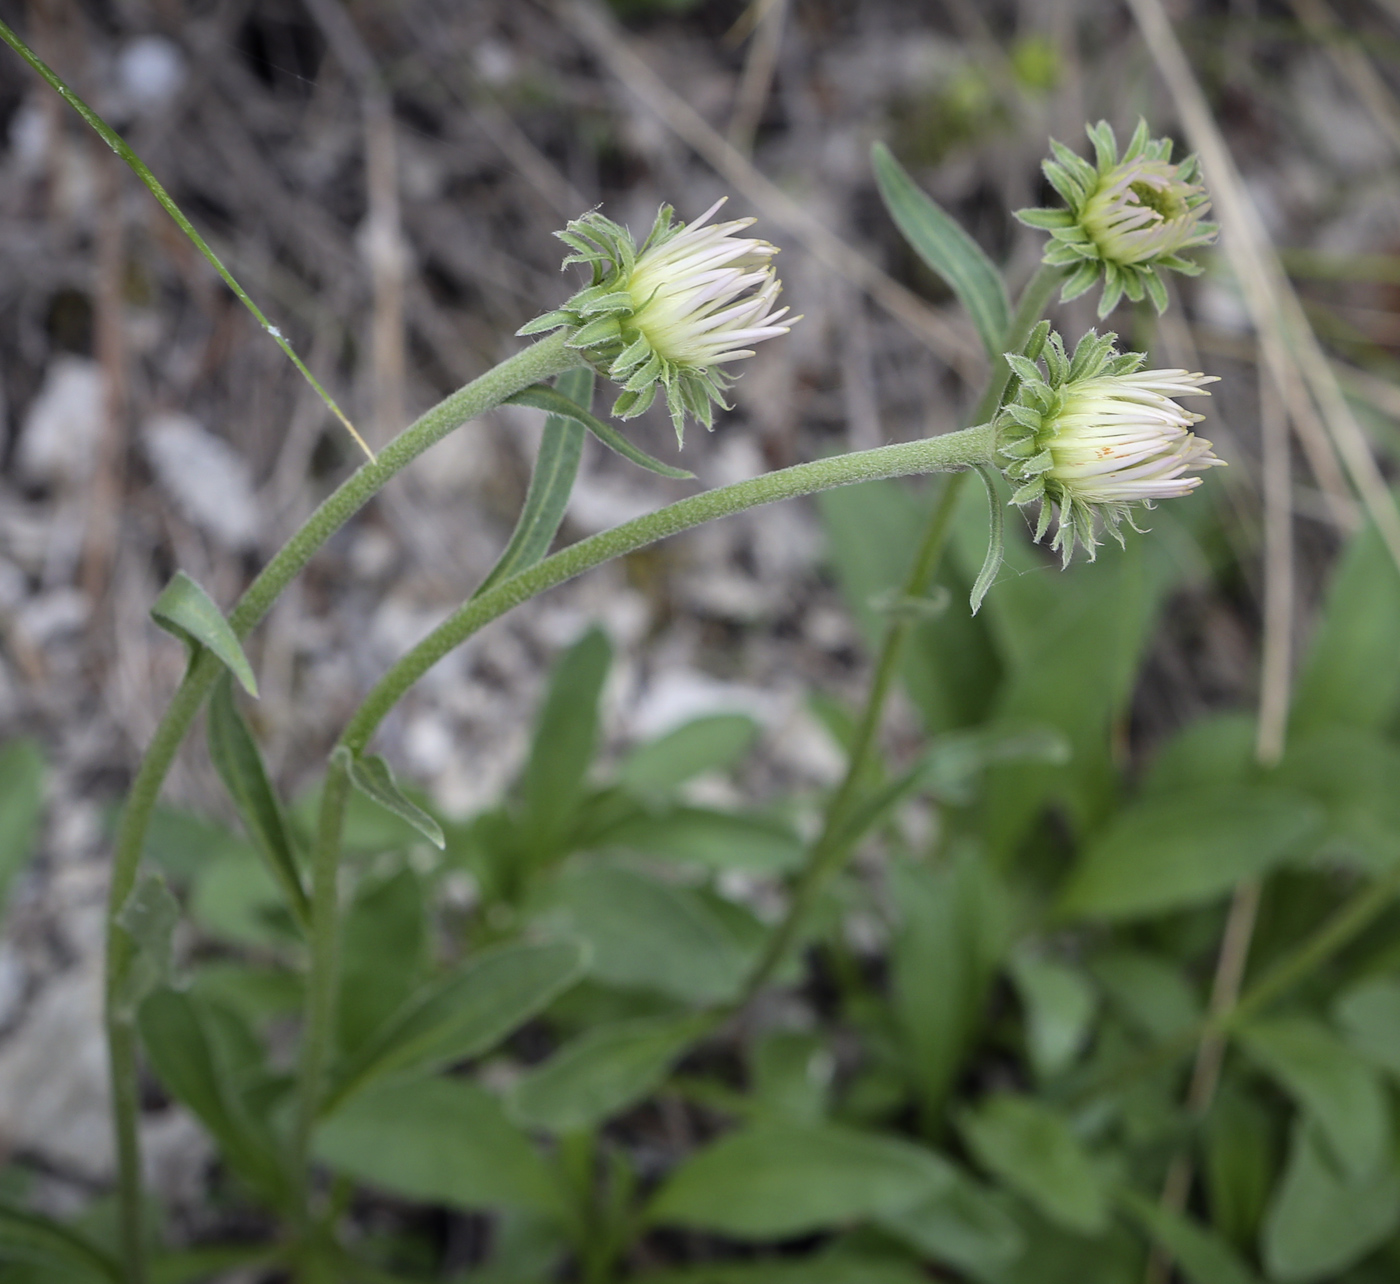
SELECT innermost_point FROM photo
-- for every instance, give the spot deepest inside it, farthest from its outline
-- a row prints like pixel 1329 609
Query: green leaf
pixel 565 740
pixel 703 836
pixel 551 484
pixel 778 1182
pixel 1031 1148
pixel 790 1077
pixel 31 1237
pixel 148 918
pixel 948 940
pixel 383 939
pixel 602 1072
pixel 1060 1003
pixel 441 1141
pixel 648 934
pixel 996 542
pixel 553 400
pixel 374 778
pixel 703 744
pixel 967 1227
pixel 1352 671
pixel 1240 1162
pixel 1369 1016
pixel 240 766
pixel 1168 852
pixel 1320 1221
pixel 1351 772
pixel 1333 1085
pixel 1201 1255
pixel 197 1052
pixel 184 845
pixel 187 611
pixel 235 899
pixel 826 1268
pixel 460 1015
pixel 21 807
pixel 947 249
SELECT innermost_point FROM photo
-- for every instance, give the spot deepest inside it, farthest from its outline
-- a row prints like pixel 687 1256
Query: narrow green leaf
pixel 551 483
pixel 240 766
pixel 707 837
pixel 543 397
pixel 776 1182
pixel 187 611
pixel 461 1015
pixel 564 742
pixel 1202 1256
pixel 1167 852
pixel 21 807
pixel 383 942
pixel 946 248
pixel 1060 1003
pixel 996 542
pixel 703 744
pixel 148 918
pixel 602 1072
pixel 1333 1084
pixel 1030 1147
pixel 1320 1221
pixel 442 1141
pixel 968 1226
pixel 33 1238
pixel 838 1267
pixel 197 1052
pixel 374 778
pixel 1369 1016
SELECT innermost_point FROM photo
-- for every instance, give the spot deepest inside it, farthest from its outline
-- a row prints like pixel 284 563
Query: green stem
pixel 829 851
pixel 949 453
pixel 325 959
pixel 540 361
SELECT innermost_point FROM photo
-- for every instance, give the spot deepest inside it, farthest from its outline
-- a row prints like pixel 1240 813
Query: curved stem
pixel 542 360
pixel 949 453
pixel 830 850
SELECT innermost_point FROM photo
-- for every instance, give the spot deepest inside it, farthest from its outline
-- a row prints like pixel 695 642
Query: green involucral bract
pixel 1127 219
pixel 1097 436
pixel 672 314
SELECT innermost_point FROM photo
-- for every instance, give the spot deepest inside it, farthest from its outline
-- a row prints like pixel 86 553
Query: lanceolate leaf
pixel 461 1015
pixel 240 765
pixel 551 483
pixel 553 400
pixel 1203 1257
pixel 187 611
pixel 31 1238
pixel 946 248
pixel 372 776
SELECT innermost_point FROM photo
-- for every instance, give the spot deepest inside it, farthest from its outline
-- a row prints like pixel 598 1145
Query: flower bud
pixel 1126 219
pixel 672 314
pixel 1097 437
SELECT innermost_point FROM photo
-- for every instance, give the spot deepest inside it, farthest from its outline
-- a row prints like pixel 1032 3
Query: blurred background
pixel 384 179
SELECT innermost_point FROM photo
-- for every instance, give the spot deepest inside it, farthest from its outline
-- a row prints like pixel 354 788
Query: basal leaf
pixel 703 744
pixel 1200 1254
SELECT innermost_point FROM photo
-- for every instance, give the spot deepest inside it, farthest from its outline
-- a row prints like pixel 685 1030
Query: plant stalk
pixel 540 361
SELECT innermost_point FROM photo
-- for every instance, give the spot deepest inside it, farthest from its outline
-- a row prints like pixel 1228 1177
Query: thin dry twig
pixel 760 66
pixel 954 343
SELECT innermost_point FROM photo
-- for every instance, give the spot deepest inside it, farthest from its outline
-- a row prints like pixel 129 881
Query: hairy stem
pixel 540 361
pixel 949 453
pixel 829 851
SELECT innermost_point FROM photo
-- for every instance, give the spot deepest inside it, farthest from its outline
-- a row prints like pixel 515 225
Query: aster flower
pixel 1098 436
pixel 670 315
pixel 1127 219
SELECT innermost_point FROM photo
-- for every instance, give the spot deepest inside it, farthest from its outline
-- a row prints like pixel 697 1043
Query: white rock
pixel 678 695
pixel 150 70
pixel 211 484
pixel 58 441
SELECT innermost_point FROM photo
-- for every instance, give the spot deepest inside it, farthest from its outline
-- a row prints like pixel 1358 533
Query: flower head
pixel 1126 219
pixel 671 314
pixel 1098 436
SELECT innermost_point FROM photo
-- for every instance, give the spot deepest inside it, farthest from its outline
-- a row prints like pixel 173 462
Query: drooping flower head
pixel 671 314
pixel 1096 435
pixel 1127 218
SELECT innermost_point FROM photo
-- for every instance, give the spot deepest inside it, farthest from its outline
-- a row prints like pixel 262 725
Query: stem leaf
pixel 148 918
pixel 240 766
pixel 187 611
pixel 542 397
pixel 996 541
pixel 946 248
pixel 551 483
pixel 374 778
